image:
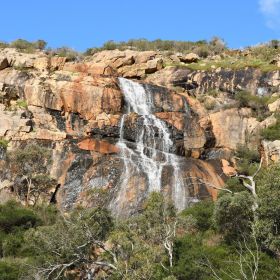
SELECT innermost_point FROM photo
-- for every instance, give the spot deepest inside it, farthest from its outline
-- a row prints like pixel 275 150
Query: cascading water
pixel 153 147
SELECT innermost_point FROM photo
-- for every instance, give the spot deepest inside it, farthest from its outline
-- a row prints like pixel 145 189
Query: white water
pixel 153 146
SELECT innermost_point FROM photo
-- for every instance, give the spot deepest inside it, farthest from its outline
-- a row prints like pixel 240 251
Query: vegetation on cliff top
pixel 213 53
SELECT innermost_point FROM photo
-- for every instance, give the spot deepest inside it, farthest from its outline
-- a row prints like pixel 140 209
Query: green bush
pixel 247 160
pixel 202 47
pixel 70 54
pixel 12 244
pixel 268 223
pixel 22 45
pixel 22 104
pixel 13 216
pixel 272 133
pixel 9 270
pixel 26 46
pixel 4 143
pixel 202 212
pixel 233 216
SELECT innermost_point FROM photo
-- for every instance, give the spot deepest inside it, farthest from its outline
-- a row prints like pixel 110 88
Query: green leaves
pixel 233 216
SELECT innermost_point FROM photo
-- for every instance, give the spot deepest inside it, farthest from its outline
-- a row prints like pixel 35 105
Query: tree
pixel 268 222
pixel 40 44
pixel 74 245
pixel 233 216
pixel 144 245
pixel 30 166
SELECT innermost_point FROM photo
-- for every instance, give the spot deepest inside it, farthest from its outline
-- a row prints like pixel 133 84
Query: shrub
pixel 233 216
pixel 4 144
pixel 265 52
pixel 22 104
pixel 3 45
pixel 23 45
pixel 202 212
pixel 272 133
pixel 202 47
pixel 11 246
pixel 268 223
pixel 13 216
pixel 70 54
pixel 29 47
pixel 257 103
pixel 247 160
pixel 9 270
pixel 40 44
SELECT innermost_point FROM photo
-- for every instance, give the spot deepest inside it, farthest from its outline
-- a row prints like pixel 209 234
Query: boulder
pixel 140 70
pixel 11 124
pixel 270 151
pixel 276 61
pixel 42 63
pixel 274 106
pixel 88 68
pixel 232 127
pixel 3 63
pixel 227 169
pixel 189 58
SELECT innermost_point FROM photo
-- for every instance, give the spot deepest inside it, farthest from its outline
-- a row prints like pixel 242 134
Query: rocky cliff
pixel 101 139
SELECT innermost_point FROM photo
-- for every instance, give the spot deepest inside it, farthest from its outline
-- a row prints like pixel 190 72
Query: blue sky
pixel 87 23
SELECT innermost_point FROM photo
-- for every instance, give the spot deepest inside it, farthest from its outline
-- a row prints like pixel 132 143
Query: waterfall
pixel 153 147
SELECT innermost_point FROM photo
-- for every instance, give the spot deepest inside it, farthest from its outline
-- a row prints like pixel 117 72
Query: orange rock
pixel 227 169
pixel 174 118
pixel 57 62
pixel 99 146
pixel 92 69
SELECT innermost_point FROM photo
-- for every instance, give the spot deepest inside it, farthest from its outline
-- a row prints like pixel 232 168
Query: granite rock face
pixel 76 109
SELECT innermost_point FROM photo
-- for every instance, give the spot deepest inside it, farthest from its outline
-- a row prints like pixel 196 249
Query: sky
pixel 89 23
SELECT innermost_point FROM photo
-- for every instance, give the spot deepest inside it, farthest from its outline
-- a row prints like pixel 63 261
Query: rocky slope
pixel 77 109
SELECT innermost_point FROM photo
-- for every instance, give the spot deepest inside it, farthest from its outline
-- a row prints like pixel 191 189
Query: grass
pixel 4 143
pixel 22 104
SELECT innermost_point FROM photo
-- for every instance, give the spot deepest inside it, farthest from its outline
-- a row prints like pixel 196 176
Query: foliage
pixel 140 242
pixel 3 45
pixel 272 132
pixel 70 242
pixel 268 223
pixel 233 184
pixel 233 216
pixel 4 143
pixel 202 213
pixel 30 165
pixel 202 48
pixel 89 243
pixel 14 221
pixel 258 104
pixel 40 44
pixel 14 216
pixel 26 46
pixel 70 54
pixel 247 160
pixel 9 270
pixel 22 104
